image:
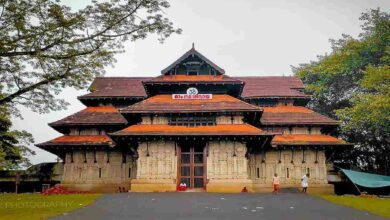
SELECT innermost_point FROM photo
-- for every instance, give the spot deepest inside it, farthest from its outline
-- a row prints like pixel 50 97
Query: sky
pixel 245 38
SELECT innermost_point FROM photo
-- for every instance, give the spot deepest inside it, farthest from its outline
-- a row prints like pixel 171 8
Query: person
pixel 276 183
pixel 182 186
pixel 305 182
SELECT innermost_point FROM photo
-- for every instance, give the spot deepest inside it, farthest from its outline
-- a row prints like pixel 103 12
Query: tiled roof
pixel 165 104
pixel 117 87
pixel 293 115
pixel 163 129
pixel 272 86
pixel 194 79
pixel 92 116
pixel 70 140
pixel 306 139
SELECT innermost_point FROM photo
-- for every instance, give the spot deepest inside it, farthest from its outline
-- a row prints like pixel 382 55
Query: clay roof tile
pixel 166 104
pixel 306 139
pixel 82 140
pixel 294 115
pixel 163 129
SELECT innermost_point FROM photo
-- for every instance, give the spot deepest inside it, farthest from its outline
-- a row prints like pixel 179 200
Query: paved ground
pixel 214 206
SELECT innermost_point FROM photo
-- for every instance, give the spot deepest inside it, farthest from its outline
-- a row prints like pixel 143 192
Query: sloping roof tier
pixel 101 115
pixel 272 87
pixel 114 87
pixel 293 115
pixel 193 79
pixel 306 139
pixel 82 140
pixel 255 87
pixel 171 130
pixel 166 104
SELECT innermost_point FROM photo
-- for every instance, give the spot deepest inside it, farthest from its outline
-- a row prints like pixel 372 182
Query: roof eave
pixel 109 97
pixel 298 123
pixel 277 97
pixel 311 144
pixel 188 111
pixel 54 125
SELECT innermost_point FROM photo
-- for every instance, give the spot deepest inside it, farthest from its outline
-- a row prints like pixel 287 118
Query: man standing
pixel 276 183
pixel 305 182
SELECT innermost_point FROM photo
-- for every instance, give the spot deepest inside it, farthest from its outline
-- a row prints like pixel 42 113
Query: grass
pixel 37 206
pixel 374 205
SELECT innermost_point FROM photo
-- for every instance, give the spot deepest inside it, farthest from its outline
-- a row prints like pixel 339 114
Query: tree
pixel 352 84
pixel 45 47
pixel 367 121
pixel 13 144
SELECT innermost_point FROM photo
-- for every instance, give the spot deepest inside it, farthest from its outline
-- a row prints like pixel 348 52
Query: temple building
pixel 196 125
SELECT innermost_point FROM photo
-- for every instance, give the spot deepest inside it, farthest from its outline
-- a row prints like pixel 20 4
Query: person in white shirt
pixel 305 182
pixel 276 183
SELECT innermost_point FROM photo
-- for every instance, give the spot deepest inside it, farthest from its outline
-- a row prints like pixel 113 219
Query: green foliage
pixel 371 106
pixel 13 144
pixel 45 46
pixel 352 84
pixel 37 206
pixel 374 205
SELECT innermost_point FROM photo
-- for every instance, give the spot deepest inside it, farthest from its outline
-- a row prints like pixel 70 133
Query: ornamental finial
pixel 193 45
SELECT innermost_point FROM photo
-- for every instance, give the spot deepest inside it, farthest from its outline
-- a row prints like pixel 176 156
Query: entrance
pixel 192 165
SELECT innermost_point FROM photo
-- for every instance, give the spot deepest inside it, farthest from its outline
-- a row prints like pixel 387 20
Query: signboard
pixel 192 93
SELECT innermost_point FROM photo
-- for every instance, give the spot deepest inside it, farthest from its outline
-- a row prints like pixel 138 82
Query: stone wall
pixel 159 120
pixel 293 129
pixel 289 166
pixel 302 130
pixel 221 162
pixel 100 175
pixel 156 167
pixel 236 119
pixel 227 168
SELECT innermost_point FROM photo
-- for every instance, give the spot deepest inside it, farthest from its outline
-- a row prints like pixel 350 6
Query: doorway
pixel 192 165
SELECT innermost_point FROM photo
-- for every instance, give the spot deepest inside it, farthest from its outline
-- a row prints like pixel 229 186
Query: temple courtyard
pixel 287 205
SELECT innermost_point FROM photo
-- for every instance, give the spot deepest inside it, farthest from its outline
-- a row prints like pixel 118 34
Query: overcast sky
pixel 246 37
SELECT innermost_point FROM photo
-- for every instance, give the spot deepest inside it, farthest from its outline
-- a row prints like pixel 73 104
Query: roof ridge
pixel 266 76
pixel 127 77
pixel 192 51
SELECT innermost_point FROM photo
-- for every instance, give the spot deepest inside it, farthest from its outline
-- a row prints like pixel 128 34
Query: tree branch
pixel 59 41
pixel 9 98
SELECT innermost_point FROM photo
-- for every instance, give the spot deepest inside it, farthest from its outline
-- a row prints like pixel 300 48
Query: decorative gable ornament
pixel 192 91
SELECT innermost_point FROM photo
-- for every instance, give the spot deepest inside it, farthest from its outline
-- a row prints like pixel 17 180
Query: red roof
pixel 165 104
pixel 293 115
pixel 226 129
pixel 306 139
pixel 272 86
pixel 81 140
pixel 194 78
pixel 100 115
pixel 117 87
pixel 269 86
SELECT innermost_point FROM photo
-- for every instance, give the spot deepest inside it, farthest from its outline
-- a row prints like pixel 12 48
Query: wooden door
pixel 192 165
